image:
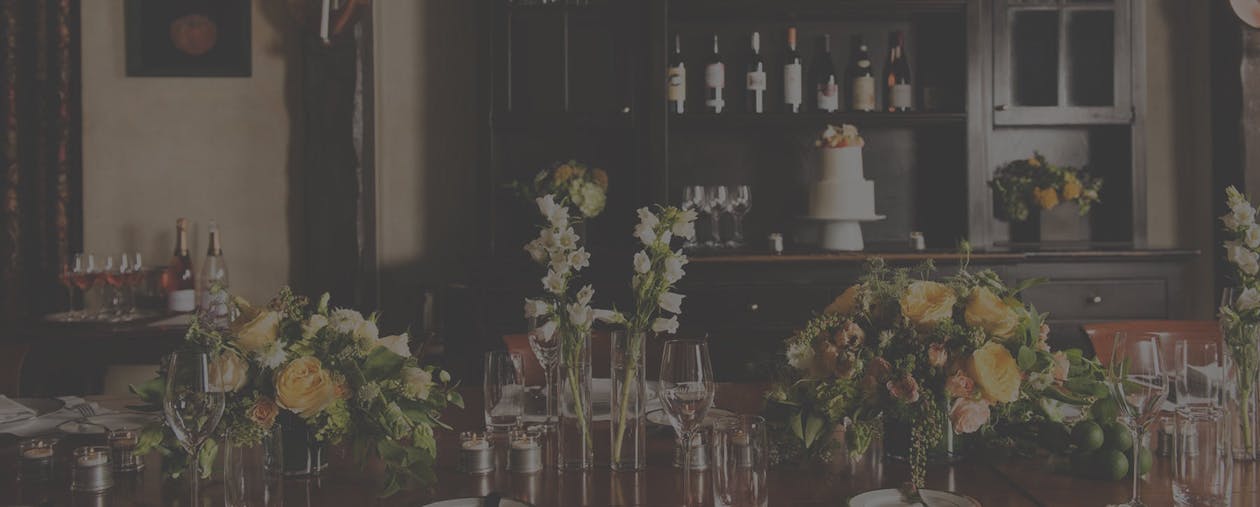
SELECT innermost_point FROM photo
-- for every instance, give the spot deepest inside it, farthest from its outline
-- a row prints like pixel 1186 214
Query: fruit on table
pixel 1117 436
pixel 1087 436
pixel 1111 464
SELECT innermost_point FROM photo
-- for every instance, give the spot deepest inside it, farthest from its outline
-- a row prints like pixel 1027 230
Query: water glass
pixel 740 459
pixel 1199 375
pixel 504 390
pixel 1203 462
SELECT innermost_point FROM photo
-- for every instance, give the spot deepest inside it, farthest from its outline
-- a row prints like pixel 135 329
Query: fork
pixel 85 409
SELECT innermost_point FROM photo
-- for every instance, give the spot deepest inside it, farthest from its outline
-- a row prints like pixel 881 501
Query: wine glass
pixel 1139 385
pixel 135 278
pixel 71 270
pixel 715 198
pixel 113 275
pixel 546 348
pixel 686 392
pixel 738 204
pixel 693 200
pixel 84 279
pixel 193 404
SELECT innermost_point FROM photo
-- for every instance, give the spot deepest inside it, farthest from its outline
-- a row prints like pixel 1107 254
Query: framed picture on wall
pixel 188 38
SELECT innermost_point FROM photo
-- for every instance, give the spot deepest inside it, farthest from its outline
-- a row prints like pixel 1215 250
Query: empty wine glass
pixel 686 392
pixel 1139 385
pixel 715 198
pixel 193 405
pixel 738 203
pixel 546 347
pixel 693 199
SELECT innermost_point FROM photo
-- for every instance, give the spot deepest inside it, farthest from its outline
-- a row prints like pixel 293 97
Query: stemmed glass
pixel 693 199
pixel 1139 385
pixel 84 278
pixel 715 199
pixel 686 392
pixel 193 405
pixel 134 279
pixel 738 203
pixel 114 277
pixel 69 273
pixel 547 349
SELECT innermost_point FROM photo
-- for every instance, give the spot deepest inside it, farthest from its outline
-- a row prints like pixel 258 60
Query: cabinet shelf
pixel 560 121
pixel 796 10
pixel 814 120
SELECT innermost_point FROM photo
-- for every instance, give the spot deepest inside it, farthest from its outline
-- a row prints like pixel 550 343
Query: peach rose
pixel 959 385
pixel 305 387
pixel 927 304
pixel 1043 337
pixel 905 389
pixel 264 412
pixel 937 355
pixel 1047 198
pixel 846 302
pixel 849 336
pixel 1071 188
pixel 988 312
pixel 255 330
pixel 995 373
pixel 1061 366
pixel 968 415
pixel 229 371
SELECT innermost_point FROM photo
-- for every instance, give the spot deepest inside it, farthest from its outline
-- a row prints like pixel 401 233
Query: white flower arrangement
pixel 1240 317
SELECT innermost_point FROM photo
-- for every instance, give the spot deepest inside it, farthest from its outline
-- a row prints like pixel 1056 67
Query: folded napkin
pixel 12 411
pixel 49 422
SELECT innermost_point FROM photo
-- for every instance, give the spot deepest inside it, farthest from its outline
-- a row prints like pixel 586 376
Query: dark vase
pixel 292 448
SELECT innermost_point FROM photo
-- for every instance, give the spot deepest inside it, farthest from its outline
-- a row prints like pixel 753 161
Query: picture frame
pixel 188 38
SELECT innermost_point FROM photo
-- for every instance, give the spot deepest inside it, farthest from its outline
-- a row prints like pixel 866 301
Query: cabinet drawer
pixel 1101 299
pixel 710 307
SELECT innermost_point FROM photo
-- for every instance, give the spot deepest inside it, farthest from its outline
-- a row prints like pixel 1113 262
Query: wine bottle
pixel 213 297
pixel 861 78
pixel 792 75
pixel 677 92
pixel 828 85
pixel 899 91
pixel 178 281
pixel 714 80
pixel 755 78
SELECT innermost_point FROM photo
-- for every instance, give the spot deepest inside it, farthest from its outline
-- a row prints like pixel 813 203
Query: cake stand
pixel 842 234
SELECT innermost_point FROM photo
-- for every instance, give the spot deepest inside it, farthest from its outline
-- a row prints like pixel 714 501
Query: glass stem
pixel 739 229
pixel 194 475
pixel 686 474
pixel 715 218
pixel 1134 466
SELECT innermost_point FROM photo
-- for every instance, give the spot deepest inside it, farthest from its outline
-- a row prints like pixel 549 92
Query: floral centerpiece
pixel 843 136
pixel 952 356
pixel 323 370
pixel 1240 316
pixel 1024 185
pixel 569 183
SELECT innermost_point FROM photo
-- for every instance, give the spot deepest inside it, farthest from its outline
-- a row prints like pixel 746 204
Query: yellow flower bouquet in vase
pixel 1043 202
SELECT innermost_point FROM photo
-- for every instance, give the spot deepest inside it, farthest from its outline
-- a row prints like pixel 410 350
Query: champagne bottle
pixel 714 80
pixel 899 91
pixel 792 75
pixel 861 78
pixel 214 295
pixel 677 92
pixel 828 86
pixel 755 78
pixel 178 280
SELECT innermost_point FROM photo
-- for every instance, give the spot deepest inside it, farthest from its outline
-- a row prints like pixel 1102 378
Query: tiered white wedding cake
pixel 842 197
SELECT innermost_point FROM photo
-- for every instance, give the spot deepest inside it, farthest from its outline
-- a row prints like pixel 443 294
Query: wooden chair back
pixel 12 356
pixel 1102 335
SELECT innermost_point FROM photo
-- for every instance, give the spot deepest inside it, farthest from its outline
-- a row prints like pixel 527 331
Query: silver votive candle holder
pixel 524 453
pixel 698 450
pixel 36 457
pixel 476 454
pixel 90 469
pixel 122 447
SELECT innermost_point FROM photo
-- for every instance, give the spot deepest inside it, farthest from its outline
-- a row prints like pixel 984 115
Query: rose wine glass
pixel 113 275
pixel 84 279
pixel 71 270
pixel 193 405
pixel 134 279
pixel 686 392
pixel 1139 385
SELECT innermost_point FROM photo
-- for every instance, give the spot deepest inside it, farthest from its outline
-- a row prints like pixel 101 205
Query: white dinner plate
pixel 476 502
pixel 893 498
pixel 98 424
pixel 658 416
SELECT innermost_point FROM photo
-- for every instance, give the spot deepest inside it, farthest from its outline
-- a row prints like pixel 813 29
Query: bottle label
pixel 792 84
pixel 864 64
pixel 677 84
pixel 828 97
pixel 864 93
pixel 756 81
pixel 715 75
pixel 902 96
pixel 181 300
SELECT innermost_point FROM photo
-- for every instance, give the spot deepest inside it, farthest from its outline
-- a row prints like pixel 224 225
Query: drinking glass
pixel 135 280
pixel 715 198
pixel 69 272
pixel 85 279
pixel 504 390
pixel 686 392
pixel 546 348
pixel 193 405
pixel 1203 461
pixel 1139 385
pixel 740 458
pixel 693 199
pixel 115 276
pixel 1199 375
pixel 738 204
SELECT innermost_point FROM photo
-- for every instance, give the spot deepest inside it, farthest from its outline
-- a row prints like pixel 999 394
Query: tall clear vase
pixel 1242 408
pixel 576 446
pixel 246 482
pixel 629 398
pixel 292 449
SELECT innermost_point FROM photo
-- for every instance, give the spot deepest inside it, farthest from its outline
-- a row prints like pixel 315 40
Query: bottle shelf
pixel 560 121
pixel 814 120
pixel 797 10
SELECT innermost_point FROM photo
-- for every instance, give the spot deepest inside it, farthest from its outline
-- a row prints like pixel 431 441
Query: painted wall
pixel 203 148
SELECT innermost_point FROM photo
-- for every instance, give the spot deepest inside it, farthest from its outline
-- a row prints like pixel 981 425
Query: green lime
pixel 1112 464
pixel 1117 437
pixel 1145 460
pixel 1055 437
pixel 1087 435
pixel 1104 410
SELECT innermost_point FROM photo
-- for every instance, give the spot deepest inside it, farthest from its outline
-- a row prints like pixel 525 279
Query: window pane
pixel 1035 57
pixel 1091 58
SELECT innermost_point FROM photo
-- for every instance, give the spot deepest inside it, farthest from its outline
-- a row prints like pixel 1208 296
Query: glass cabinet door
pixel 1062 62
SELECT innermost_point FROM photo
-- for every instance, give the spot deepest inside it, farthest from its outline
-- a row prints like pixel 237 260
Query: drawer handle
pixel 1095 299
pixel 1000 107
pixel 754 307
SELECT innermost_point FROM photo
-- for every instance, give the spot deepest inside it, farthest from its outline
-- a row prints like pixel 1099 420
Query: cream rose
pixel 313 325
pixel 229 371
pixel 937 355
pixel 417 383
pixel 968 415
pixel 846 302
pixel 987 311
pixel 995 373
pixel 264 412
pixel 927 304
pixel 399 344
pixel 255 330
pixel 959 385
pixel 305 387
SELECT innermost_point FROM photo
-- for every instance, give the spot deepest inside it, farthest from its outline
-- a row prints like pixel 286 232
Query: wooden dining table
pixel 1017 482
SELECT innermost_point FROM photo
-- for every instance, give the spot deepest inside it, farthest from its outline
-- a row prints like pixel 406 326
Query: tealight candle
pixel 122 442
pixel 524 454
pixel 37 457
pixel 699 458
pixel 91 470
pixel 743 451
pixel 475 454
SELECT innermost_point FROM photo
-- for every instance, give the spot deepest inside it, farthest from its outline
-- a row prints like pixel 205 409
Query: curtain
pixel 40 166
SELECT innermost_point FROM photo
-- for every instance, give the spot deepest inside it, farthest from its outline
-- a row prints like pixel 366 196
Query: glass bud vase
pixel 1241 401
pixel 629 398
pixel 292 449
pixel 575 447
pixel 246 482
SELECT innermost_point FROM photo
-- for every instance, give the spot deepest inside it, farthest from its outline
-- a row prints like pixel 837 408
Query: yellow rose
pixel 229 371
pixel 987 311
pixel 846 302
pixel 305 387
pixel 1032 161
pixel 264 412
pixel 995 372
pixel 1048 198
pixel 927 304
pixel 563 173
pixel 601 178
pixel 255 330
pixel 1071 188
